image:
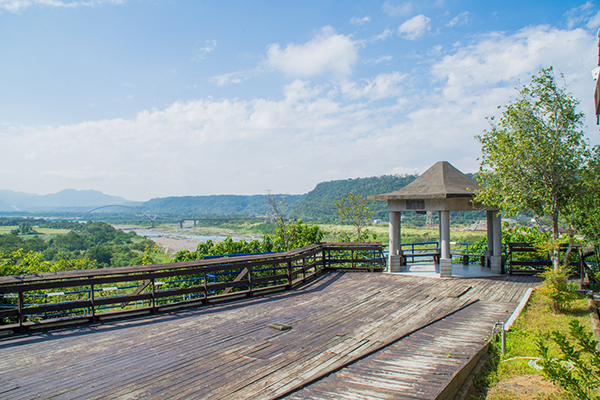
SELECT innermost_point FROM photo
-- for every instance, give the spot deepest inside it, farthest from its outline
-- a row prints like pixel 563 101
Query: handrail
pixel 96 294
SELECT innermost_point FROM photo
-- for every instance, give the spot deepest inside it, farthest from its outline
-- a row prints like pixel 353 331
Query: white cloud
pixel 500 59
pixel 460 20
pixel 327 52
pixel 387 33
pixel 18 5
pixel 577 15
pixel 380 59
pixel 415 27
pixel 401 170
pixel 234 77
pixel 360 21
pixel 204 50
pixel 305 135
pixel 594 21
pixel 382 86
pixel 401 9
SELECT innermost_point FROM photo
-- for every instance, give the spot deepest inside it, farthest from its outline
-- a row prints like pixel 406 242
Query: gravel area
pixel 173 245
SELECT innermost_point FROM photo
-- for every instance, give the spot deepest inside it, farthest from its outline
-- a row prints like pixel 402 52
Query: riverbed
pixel 174 241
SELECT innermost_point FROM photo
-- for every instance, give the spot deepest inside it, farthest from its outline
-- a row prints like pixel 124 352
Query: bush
pixel 558 288
pixel 577 369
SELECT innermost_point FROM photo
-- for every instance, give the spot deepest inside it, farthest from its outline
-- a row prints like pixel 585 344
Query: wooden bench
pixel 586 273
pixel 536 266
pixel 466 254
pixel 420 250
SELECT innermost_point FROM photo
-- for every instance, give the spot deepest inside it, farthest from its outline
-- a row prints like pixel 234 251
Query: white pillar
pixel 439 229
pixel 496 259
pixel 446 258
pixel 490 231
pixel 490 237
pixel 395 240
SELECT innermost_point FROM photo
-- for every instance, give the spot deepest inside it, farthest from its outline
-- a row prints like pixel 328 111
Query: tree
pixel 285 230
pixel 354 209
pixel 587 206
pixel 533 158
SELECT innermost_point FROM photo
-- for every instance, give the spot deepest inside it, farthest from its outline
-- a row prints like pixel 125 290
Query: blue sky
pixel 160 98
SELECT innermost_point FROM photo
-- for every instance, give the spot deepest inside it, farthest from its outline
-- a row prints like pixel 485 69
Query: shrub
pixel 577 369
pixel 558 288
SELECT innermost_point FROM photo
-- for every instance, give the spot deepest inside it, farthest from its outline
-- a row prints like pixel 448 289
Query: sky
pixel 157 98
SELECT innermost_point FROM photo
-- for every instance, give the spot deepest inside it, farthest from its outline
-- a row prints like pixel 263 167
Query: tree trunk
pixel 555 245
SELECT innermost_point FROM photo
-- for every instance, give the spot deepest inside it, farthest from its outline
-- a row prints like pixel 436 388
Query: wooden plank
pixel 226 350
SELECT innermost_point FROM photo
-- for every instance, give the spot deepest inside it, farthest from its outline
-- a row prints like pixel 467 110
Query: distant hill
pixel 318 204
pixel 216 205
pixel 65 200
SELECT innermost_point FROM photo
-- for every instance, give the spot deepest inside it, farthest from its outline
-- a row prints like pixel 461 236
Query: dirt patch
pixel 172 245
pixel 525 387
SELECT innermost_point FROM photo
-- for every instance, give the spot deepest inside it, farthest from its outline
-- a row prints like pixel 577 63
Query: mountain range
pixel 318 204
pixel 65 200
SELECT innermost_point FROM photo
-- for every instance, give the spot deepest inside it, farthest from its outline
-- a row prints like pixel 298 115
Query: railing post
pixel 20 317
pixel 92 303
pixel 289 272
pixel 205 300
pixel 324 260
pixel 303 268
pixel 250 281
pixel 153 297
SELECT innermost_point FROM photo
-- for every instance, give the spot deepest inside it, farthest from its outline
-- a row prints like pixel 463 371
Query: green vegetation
pixel 297 235
pixel 318 204
pixel 536 322
pixel 211 206
pixel 355 210
pixel 577 368
pixel 536 157
pixel 90 245
pixel 558 289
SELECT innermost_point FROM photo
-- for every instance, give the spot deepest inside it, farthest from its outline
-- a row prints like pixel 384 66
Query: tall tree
pixel 533 158
pixel 354 209
pixel 285 230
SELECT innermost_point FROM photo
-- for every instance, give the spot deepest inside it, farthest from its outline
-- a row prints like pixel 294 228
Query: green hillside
pixel 318 204
pixel 217 205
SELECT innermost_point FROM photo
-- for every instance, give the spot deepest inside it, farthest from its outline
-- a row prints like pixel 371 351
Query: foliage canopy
pixel 534 157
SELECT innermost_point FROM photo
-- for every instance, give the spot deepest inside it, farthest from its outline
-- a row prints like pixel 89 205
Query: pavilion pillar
pixel 446 258
pixel 395 256
pixel 490 238
pixel 496 258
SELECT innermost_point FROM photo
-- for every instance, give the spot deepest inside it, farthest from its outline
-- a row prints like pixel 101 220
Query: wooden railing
pixel 29 302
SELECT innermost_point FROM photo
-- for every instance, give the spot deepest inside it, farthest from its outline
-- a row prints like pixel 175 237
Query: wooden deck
pixel 227 351
pixel 418 366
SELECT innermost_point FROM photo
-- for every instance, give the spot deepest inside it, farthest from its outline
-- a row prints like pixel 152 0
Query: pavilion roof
pixel 441 181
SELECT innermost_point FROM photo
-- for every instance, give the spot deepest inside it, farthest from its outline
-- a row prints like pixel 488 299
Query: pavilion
pixel 441 188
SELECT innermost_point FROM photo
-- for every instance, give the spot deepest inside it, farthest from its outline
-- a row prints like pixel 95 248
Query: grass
pixel 42 231
pixel 508 372
pixel 334 232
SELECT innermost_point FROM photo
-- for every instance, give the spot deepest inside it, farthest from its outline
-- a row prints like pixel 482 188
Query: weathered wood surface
pixel 228 351
pixel 418 366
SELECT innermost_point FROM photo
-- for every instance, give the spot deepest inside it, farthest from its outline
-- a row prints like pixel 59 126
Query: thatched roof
pixel 441 181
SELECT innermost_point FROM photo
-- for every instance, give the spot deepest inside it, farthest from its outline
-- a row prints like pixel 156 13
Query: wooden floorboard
pixel 417 367
pixel 227 351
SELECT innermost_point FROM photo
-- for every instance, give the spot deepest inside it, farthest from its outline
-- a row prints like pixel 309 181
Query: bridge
pixel 154 217
pixel 317 322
